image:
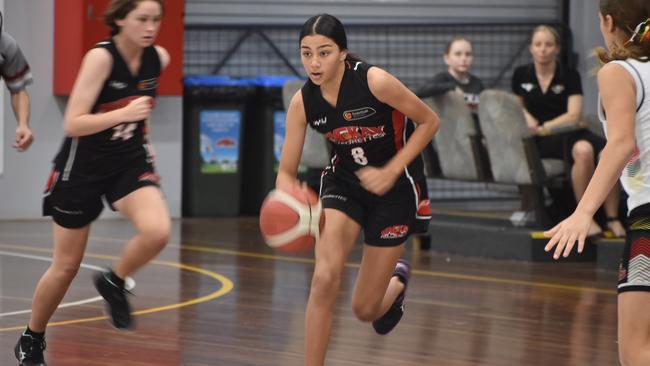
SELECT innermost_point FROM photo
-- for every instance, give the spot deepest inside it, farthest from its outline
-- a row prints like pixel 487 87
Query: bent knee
pixel 157 234
pixel 365 312
pixel 582 151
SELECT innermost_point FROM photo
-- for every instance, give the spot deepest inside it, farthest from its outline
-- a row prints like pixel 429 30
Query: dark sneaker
pixel 117 305
pixel 388 321
pixel 29 351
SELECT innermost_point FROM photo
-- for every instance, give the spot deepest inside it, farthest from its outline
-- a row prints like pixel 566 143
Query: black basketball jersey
pixel 362 130
pixel 93 157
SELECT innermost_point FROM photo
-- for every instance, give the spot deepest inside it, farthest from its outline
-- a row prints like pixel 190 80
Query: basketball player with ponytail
pixel 105 154
pixel 363 111
pixel 624 84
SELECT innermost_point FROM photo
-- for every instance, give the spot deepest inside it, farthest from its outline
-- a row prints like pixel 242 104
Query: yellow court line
pixel 416 271
pixel 607 234
pixel 537 235
pixel 226 286
pixel 455 276
pixel 482 215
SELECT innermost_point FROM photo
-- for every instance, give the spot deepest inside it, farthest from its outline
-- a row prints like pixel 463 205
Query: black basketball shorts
pixel 75 206
pixel 386 220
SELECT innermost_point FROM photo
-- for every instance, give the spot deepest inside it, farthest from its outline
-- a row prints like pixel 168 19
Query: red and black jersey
pixel 362 130
pixel 94 157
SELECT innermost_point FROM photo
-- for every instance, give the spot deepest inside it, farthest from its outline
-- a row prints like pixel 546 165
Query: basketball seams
pixel 307 225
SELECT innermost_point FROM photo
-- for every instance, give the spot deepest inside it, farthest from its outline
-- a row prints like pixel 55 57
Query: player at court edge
pixel 363 112
pixel 105 153
pixel 624 110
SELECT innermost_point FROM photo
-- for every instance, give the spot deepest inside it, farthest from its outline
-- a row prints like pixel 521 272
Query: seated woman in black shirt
pixel 552 97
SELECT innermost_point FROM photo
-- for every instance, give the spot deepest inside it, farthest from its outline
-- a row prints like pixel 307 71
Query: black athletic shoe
pixel 29 351
pixel 117 305
pixel 388 321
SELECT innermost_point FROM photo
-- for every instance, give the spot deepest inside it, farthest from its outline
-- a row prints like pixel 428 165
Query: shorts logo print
pixel 394 232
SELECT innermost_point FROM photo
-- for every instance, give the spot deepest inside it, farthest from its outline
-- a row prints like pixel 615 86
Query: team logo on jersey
pixel 528 86
pixel 119 85
pixel 557 89
pixel 394 232
pixel 472 100
pixel 320 121
pixel 148 84
pixel 350 135
pixel 359 113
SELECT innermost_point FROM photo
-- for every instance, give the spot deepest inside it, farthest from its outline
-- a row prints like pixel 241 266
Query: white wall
pixel 31 22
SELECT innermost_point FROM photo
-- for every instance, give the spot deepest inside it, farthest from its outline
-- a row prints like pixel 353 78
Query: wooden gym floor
pixel 218 296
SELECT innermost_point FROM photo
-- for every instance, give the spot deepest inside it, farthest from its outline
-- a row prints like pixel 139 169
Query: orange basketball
pixel 291 222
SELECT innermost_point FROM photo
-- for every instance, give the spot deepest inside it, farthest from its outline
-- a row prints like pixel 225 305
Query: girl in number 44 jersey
pixel 105 154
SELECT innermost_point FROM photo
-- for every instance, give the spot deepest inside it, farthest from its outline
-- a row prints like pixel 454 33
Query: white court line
pixel 129 283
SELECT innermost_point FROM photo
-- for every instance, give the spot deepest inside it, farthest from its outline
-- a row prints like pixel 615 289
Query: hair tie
pixel 640 32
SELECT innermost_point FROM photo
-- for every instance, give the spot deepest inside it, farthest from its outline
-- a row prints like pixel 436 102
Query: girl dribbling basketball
pixel 362 110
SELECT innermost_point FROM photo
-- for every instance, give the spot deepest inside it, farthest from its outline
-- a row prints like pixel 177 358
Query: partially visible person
pixel 105 156
pixel 17 75
pixel 459 57
pixel 624 110
pixel 551 94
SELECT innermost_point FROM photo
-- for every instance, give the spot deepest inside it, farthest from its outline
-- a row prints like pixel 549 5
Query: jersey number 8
pixel 359 156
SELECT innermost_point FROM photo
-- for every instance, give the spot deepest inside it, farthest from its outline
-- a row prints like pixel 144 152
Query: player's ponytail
pixel 633 17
